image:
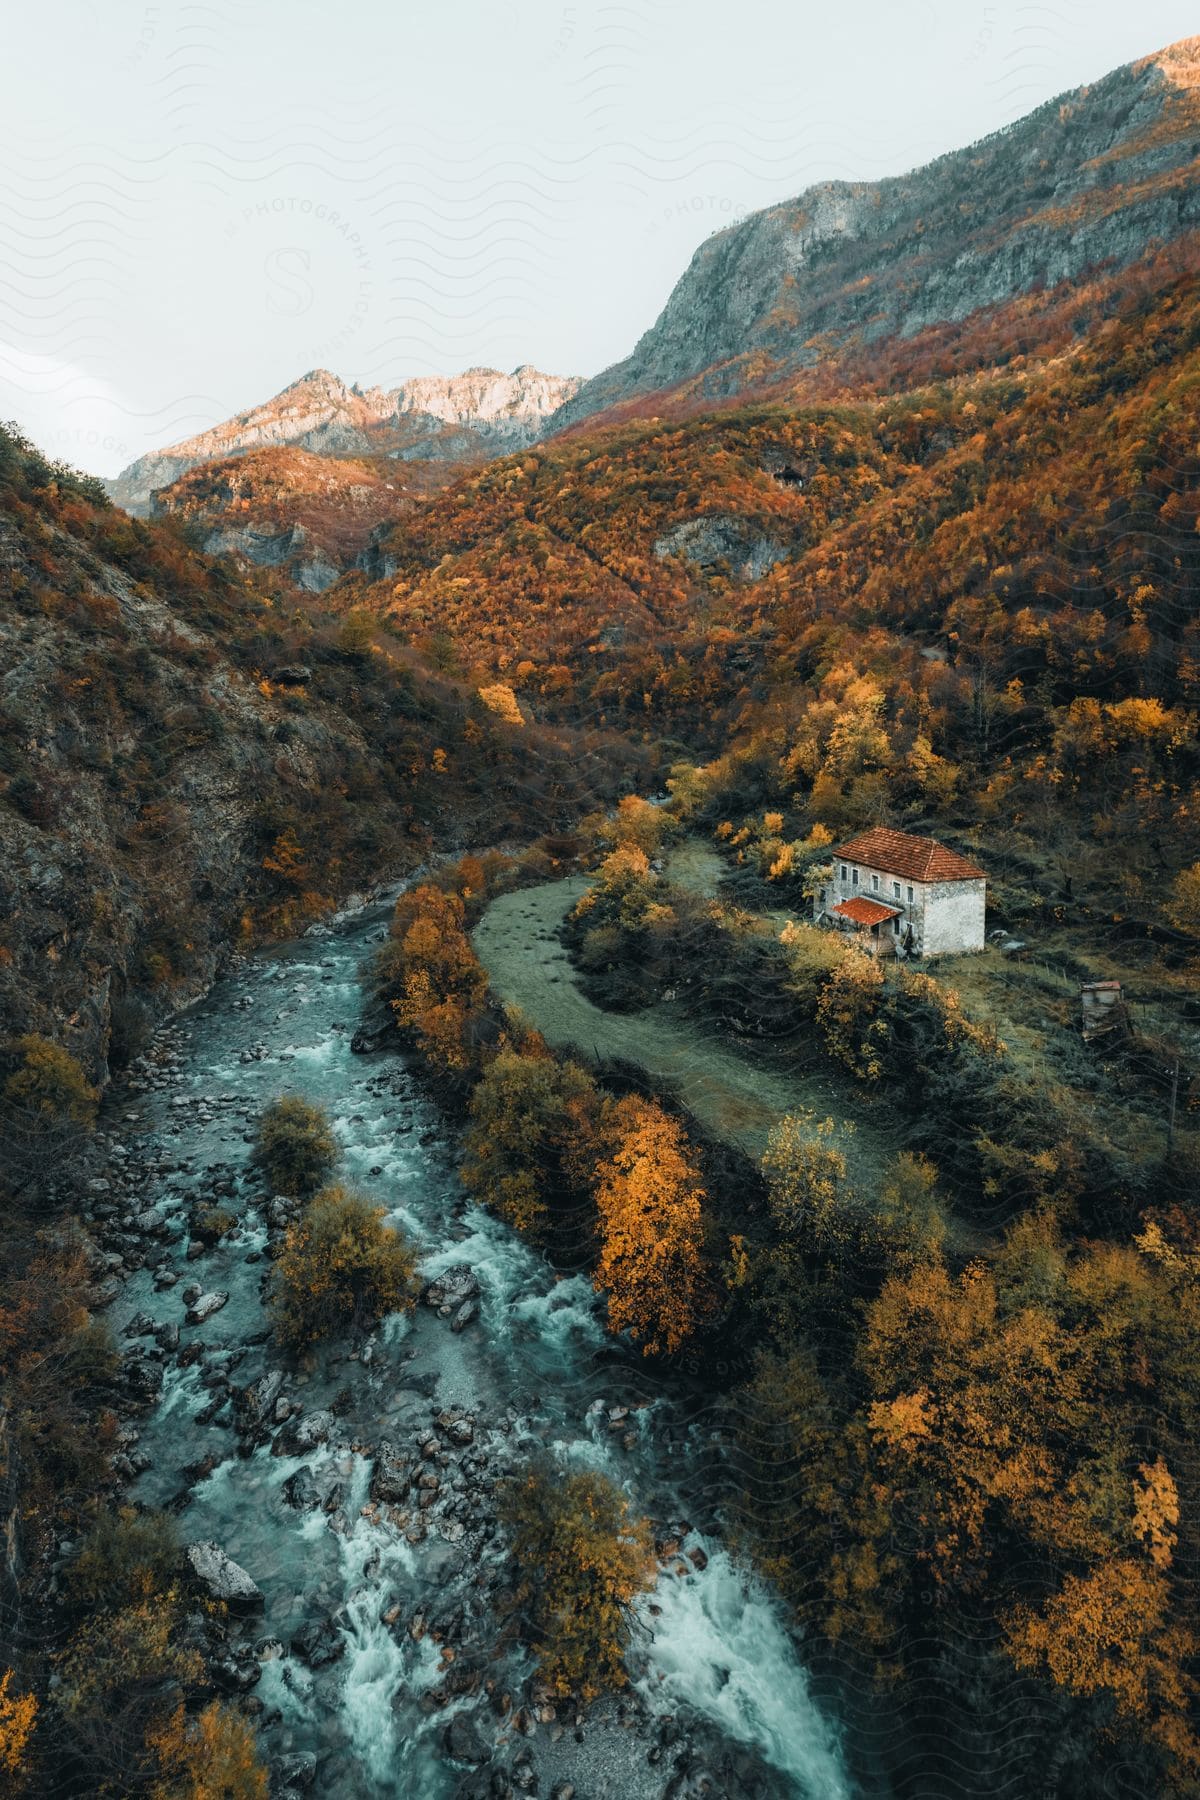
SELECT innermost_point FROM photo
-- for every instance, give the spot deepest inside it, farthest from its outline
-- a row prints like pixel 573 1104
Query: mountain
pixel 457 418
pixel 306 516
pixel 185 765
pixel 1086 182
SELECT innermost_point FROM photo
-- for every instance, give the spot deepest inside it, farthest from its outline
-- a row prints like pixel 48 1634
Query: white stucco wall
pixel 954 915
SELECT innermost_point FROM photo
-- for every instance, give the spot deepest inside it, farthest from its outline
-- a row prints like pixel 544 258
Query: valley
pixel 518 1274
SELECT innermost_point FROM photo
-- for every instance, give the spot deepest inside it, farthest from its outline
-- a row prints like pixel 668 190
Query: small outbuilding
pixel 904 895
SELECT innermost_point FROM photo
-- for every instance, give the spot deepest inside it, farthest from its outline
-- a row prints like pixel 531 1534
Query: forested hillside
pixel 188 765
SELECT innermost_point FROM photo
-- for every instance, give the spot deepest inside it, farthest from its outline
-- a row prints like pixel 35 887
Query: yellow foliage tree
pixel 340 1266
pixel 211 1757
pixel 18 1716
pixel 650 1200
pixel 499 698
pixel 580 1559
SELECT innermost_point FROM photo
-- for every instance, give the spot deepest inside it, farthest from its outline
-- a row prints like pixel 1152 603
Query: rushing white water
pixel 537 1369
pixel 718 1643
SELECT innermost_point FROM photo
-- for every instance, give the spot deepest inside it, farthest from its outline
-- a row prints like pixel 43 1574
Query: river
pixel 406 1613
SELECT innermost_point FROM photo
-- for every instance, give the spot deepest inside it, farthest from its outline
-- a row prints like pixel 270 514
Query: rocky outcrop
pixel 1089 180
pixel 718 538
pixel 222 1578
pixel 480 413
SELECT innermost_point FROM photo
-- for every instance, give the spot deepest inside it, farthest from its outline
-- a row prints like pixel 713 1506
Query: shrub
pixel 212 1223
pixel 48 1085
pixel 127 1556
pixel 340 1267
pixel 295 1145
pixel 120 1674
pixel 580 1560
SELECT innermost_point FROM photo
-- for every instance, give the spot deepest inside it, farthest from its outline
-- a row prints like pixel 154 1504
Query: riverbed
pixel 378 1647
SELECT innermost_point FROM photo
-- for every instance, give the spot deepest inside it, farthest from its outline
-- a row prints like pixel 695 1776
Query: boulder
pixel 222 1578
pixel 466 1315
pixel 464 1741
pixel 298 1771
pixel 451 1289
pixel 319 1643
pixel 204 1306
pixel 300 1490
pixel 143 1379
pixel 304 1434
pixel 391 1476
pixel 253 1403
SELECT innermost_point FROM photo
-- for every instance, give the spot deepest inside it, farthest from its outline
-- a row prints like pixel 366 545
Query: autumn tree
pixel 650 1200
pixel 295 1145
pixel 1183 906
pixel 213 1756
pixel 433 980
pixel 18 1717
pixel 580 1560
pixel 47 1105
pixel 533 1123
pixel 120 1675
pixel 341 1267
pixel 1112 1632
pixel 813 1203
pixel 850 1014
pixel 126 1557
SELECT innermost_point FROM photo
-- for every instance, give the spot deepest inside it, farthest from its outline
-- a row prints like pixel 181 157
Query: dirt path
pixel 731 1097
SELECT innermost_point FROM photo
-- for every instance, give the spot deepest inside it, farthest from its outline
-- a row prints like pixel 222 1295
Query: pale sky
pixel 203 200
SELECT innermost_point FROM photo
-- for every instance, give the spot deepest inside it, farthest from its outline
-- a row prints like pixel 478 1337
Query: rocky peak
pixel 477 413
pixel 1088 180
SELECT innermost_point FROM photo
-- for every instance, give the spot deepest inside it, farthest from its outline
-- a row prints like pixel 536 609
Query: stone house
pixel 903 895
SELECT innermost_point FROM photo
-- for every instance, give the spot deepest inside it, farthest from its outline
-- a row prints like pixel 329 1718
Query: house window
pixel 896 924
pixel 875 882
pixel 896 891
pixel 843 871
pixel 910 896
pixel 854 877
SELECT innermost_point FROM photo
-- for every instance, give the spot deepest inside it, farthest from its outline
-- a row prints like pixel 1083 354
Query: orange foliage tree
pixel 650 1200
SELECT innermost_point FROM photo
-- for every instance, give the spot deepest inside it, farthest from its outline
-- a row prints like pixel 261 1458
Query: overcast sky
pixel 204 200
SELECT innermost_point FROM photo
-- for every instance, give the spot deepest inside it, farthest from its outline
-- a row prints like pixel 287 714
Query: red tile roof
pixel 866 912
pixel 916 858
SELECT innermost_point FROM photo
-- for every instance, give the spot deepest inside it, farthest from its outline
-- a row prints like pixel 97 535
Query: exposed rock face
pixel 479 413
pixel 1090 179
pixel 717 537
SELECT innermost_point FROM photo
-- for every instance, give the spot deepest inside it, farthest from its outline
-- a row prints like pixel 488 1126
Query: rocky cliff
pixel 466 417
pixel 1088 181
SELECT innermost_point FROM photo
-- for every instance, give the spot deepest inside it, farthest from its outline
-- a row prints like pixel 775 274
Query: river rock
pixel 143 1379
pixel 466 1315
pixel 464 1741
pixel 222 1577
pixel 391 1475
pixel 303 1434
pixel 252 1404
pixel 298 1771
pixel 319 1643
pixel 451 1289
pixel 204 1306
pixel 372 1037
pixel 300 1490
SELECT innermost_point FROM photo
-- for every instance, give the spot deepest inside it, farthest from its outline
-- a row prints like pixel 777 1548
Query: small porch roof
pixel 865 912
